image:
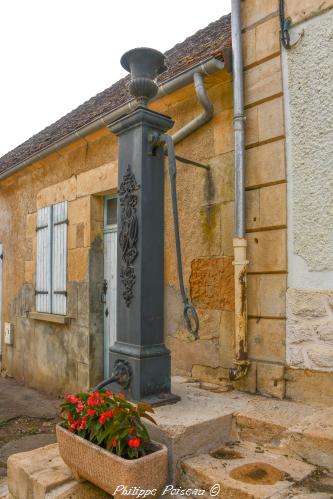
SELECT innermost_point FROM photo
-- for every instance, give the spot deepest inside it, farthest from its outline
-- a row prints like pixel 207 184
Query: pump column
pixel 140 256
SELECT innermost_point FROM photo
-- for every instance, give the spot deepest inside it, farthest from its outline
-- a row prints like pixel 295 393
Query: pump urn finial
pixel 145 65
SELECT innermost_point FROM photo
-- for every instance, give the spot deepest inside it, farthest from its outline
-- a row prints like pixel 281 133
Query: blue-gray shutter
pixel 59 259
pixel 43 262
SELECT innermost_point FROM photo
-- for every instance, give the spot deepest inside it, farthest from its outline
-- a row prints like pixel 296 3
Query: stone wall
pixel 265 197
pixel 310 329
pixel 58 357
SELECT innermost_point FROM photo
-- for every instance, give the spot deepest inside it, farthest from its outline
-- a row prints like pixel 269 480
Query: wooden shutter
pixel 59 259
pixel 43 263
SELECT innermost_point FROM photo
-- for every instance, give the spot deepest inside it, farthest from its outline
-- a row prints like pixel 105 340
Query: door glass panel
pixel 111 211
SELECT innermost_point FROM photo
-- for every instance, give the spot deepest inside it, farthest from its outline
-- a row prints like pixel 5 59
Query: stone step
pixel 265 421
pixel 298 430
pixel 312 439
pixel 203 420
pixel 241 471
pixel 197 423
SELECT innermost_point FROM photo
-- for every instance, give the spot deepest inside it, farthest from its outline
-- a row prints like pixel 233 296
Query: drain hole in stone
pixel 223 453
pixel 258 473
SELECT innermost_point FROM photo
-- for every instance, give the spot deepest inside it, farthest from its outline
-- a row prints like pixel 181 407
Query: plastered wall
pixel 308 87
pixel 309 100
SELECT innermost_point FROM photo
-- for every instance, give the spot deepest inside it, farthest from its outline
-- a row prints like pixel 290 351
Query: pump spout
pixel 121 374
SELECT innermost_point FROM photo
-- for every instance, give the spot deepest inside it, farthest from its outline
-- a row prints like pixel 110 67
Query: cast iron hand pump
pixel 140 361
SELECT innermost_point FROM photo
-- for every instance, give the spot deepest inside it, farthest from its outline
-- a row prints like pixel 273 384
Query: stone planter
pixel 106 470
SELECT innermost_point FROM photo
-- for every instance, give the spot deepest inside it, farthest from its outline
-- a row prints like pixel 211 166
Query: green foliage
pixel 109 420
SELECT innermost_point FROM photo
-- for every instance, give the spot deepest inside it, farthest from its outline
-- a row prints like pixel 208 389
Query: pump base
pixel 150 381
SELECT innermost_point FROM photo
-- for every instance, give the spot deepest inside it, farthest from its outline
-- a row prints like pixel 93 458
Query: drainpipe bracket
pixel 239 370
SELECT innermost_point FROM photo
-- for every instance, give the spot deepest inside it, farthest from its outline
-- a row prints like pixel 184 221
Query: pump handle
pixel 190 313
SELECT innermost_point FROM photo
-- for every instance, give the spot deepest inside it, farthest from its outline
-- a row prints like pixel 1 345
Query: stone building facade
pixel 289 256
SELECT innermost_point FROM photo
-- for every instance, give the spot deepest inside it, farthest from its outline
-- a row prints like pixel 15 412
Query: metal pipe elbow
pixel 205 116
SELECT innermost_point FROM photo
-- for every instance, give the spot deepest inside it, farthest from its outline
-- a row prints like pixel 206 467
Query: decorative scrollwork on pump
pixel 128 236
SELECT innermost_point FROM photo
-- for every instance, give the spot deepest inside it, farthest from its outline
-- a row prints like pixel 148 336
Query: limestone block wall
pixel 265 197
pixel 57 357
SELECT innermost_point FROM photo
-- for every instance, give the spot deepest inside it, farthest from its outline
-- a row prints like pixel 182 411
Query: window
pixel 51 265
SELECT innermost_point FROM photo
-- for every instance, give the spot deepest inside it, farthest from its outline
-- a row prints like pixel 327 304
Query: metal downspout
pixel 241 363
pixel 204 117
pixel 205 68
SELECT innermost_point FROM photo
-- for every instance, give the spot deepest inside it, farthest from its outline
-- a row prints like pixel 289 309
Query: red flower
pixel 114 443
pixel 104 416
pixel 72 427
pixel 134 443
pixel 80 407
pixel 69 418
pixel 83 423
pixel 108 393
pixel 91 412
pixel 95 399
pixel 121 395
pixel 72 399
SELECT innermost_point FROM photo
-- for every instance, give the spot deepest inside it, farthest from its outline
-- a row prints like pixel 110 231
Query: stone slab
pixel 42 474
pixel 205 471
pixel 31 475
